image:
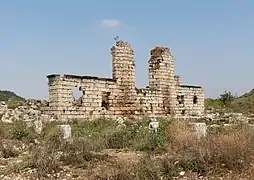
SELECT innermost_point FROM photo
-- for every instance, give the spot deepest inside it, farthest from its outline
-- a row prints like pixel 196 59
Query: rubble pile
pixel 28 111
pixel 228 118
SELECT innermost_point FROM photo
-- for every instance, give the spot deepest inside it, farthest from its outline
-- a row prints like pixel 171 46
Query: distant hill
pixel 9 96
pixel 243 103
pixel 249 94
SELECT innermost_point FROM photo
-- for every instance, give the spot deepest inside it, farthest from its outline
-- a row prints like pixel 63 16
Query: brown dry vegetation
pixel 102 150
pixel 230 149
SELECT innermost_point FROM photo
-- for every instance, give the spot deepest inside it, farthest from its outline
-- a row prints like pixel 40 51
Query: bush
pixel 136 136
pixel 181 138
pixel 45 159
pixel 19 130
pixel 78 154
pixel 145 168
pixel 120 139
pixel 95 132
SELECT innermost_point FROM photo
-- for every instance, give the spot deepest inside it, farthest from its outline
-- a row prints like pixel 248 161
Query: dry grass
pixel 181 138
pixel 175 148
pixel 232 150
pixel 6 150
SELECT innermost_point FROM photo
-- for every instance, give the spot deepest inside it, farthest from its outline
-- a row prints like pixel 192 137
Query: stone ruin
pixel 119 97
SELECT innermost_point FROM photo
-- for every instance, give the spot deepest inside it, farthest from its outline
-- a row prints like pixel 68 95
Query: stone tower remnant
pixel 161 76
pixel 124 74
pixel 118 96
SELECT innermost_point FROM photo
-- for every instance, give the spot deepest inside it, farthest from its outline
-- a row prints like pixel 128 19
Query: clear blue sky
pixel 212 41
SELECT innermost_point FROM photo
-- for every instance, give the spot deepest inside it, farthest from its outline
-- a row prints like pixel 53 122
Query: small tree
pixel 226 98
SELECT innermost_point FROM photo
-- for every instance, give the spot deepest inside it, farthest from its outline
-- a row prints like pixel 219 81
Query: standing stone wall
pixel 159 70
pixel 161 76
pixel 149 102
pixel 124 74
pixel 118 96
pixel 172 86
pixel 190 100
pixel 177 80
pixel 90 104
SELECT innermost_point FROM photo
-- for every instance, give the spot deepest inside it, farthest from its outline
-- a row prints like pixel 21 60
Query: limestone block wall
pixel 161 76
pixel 172 86
pixel 177 80
pixel 149 102
pixel 159 70
pixel 96 99
pixel 118 96
pixel 123 67
pixel 190 100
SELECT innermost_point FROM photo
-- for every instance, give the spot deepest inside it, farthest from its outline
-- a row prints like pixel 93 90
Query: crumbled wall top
pixel 117 96
pixel 122 45
pixel 160 50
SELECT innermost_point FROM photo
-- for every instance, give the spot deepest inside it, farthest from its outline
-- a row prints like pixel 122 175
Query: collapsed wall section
pixel 190 100
pixel 95 98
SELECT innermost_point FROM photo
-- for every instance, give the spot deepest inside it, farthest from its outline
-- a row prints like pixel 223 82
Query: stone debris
pixel 153 126
pixel 120 121
pixel 65 132
pixel 29 111
pixel 227 118
pixel 3 107
pixel 199 128
pixel 38 126
pixel 13 146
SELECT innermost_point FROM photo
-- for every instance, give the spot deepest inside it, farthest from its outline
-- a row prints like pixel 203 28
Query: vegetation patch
pixel 105 147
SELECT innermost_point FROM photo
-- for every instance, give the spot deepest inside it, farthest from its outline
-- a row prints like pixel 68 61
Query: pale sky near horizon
pixel 212 41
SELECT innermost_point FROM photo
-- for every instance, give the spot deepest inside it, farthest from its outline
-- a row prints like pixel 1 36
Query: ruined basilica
pixel 118 96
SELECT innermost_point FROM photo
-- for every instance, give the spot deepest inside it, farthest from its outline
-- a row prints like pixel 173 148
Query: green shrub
pixel 19 130
pixel 136 136
pixel 95 132
pixel 78 154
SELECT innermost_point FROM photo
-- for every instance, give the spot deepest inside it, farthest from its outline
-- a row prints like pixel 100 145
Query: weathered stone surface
pixel 38 125
pixel 199 128
pixel 227 118
pixel 118 96
pixel 30 112
pixel 65 131
pixel 153 125
pixel 3 107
